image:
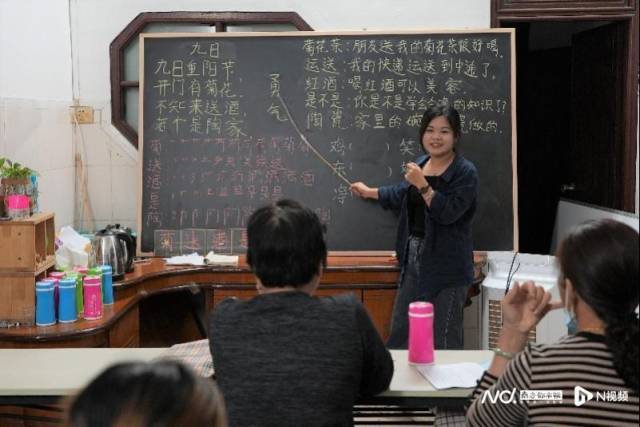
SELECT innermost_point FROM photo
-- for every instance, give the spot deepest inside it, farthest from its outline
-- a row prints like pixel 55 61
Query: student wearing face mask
pixel 595 368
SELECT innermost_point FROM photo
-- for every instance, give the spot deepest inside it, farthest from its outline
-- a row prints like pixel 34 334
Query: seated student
pixel 286 358
pixel 138 394
pixel 599 287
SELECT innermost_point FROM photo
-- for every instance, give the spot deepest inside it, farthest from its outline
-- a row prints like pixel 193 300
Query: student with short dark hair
pixel 286 358
pixel 598 284
pixel 138 394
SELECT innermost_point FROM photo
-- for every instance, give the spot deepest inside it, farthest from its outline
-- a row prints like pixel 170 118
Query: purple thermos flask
pixel 420 332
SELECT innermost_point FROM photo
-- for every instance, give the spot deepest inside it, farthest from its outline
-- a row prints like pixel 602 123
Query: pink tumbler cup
pixel 420 332
pixel 92 297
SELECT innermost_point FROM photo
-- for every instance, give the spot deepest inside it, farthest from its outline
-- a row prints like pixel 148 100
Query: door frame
pixel 609 10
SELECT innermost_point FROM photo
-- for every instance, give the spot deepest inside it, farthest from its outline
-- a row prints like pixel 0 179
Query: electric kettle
pixel 116 247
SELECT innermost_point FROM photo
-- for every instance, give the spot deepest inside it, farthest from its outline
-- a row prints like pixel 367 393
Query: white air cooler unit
pixel 539 268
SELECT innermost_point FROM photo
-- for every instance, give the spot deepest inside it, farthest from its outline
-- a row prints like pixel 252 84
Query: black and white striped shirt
pixel 581 360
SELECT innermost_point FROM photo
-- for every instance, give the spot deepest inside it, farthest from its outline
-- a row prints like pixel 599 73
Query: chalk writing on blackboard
pixel 337 167
pixel 231 123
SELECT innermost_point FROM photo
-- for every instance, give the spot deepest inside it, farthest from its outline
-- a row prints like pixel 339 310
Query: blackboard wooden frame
pixel 305 34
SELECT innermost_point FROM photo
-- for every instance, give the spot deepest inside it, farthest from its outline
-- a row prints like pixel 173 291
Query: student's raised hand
pixel 525 305
pixel 413 175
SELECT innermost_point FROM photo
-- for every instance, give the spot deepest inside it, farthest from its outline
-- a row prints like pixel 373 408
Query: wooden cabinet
pixel 27 244
pixel 124 332
pixel 221 294
pixel 371 280
pixel 26 254
pixel 377 302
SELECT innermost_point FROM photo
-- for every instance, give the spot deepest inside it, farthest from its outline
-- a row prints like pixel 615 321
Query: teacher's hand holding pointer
pixel 360 189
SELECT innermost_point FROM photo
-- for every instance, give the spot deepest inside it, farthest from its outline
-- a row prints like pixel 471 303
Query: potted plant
pixel 17 179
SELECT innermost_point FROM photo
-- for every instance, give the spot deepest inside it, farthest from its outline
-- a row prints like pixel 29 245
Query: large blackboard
pixel 217 141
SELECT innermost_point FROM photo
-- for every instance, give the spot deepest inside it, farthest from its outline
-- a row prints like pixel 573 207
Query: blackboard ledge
pixel 385 254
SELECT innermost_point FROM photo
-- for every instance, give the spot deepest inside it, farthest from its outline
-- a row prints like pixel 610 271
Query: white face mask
pixel 569 314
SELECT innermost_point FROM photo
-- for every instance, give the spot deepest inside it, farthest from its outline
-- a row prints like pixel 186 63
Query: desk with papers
pixel 45 375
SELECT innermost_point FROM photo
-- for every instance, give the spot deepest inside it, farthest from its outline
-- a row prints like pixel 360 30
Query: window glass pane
pixel 131 50
pixel 261 27
pixel 131 107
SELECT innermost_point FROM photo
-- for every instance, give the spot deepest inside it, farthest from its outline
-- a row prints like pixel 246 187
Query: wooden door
pixel 594 160
pixel 543 108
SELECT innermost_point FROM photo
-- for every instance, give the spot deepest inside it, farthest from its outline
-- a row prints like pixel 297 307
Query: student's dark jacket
pixel 447 254
pixel 288 359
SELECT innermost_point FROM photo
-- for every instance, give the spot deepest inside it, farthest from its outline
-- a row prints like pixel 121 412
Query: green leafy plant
pixel 14 170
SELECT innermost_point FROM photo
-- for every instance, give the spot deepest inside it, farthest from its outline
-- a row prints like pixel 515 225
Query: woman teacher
pixel 437 201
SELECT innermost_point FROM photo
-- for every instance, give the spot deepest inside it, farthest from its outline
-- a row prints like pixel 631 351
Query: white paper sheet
pixel 192 259
pixel 464 375
pixel 195 259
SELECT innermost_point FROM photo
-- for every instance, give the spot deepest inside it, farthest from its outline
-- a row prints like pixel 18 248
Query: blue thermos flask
pixel 67 312
pixel 107 284
pixel 45 304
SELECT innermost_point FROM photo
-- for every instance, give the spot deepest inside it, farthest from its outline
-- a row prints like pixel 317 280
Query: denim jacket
pixel 447 252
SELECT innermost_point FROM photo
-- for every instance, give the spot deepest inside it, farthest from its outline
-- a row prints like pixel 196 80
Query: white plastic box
pixel 539 268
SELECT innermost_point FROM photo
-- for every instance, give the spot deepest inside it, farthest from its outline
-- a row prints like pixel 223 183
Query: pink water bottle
pixel 92 298
pixel 420 332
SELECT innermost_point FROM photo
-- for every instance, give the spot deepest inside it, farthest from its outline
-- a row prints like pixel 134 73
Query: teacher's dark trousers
pixel 448 305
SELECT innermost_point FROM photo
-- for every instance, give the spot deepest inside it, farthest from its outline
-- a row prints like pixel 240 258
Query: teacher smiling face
pixel 438 139
pixel 440 131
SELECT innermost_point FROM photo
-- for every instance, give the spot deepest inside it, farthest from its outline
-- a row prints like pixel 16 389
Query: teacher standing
pixel 437 201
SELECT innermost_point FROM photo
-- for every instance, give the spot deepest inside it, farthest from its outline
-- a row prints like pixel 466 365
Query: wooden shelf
pixel 46 265
pixel 27 244
pixel 27 253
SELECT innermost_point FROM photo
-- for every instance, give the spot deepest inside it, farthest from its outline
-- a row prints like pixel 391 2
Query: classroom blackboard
pixel 230 122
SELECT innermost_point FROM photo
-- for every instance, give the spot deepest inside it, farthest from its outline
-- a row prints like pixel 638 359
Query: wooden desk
pixel 371 278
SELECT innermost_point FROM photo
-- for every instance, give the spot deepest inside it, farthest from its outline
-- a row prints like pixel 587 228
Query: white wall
pixel 35 49
pixel 35 92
